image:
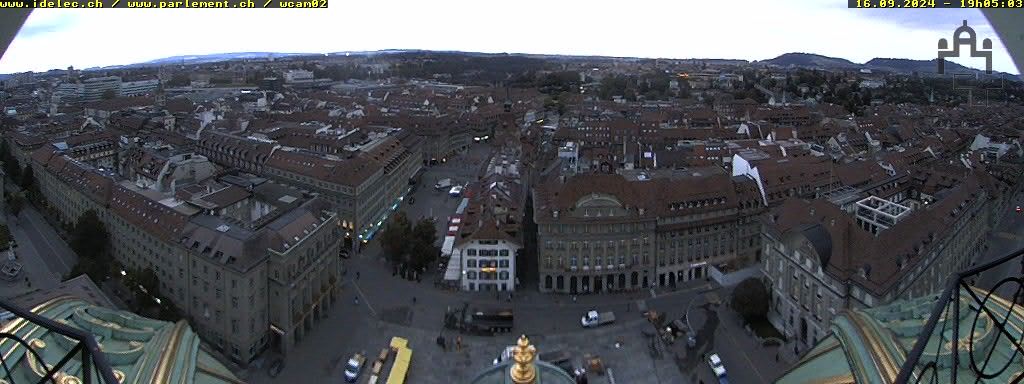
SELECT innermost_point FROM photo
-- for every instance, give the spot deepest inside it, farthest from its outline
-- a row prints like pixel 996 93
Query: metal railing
pixel 94 365
pixel 937 356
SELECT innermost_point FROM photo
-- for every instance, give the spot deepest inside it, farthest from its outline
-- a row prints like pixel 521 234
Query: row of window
pixel 473 263
pixel 487 252
pixel 601 228
pixel 474 275
pixel 594 245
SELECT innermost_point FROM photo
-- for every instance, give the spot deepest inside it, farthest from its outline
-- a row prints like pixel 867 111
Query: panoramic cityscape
pixel 430 215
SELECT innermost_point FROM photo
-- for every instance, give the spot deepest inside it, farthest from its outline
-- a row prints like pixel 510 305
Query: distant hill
pixel 926 67
pixel 787 60
pixel 902 66
pixel 810 60
pixel 200 59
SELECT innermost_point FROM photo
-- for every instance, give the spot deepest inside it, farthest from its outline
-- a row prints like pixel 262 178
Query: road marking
pixel 361 294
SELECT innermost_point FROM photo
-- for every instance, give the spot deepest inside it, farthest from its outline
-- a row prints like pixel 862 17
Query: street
pixel 1003 240
pixel 45 257
pixel 390 306
pixel 385 308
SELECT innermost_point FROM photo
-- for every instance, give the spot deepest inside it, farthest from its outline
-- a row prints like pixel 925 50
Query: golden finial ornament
pixel 523 370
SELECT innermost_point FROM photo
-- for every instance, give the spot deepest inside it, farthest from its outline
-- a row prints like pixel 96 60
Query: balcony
pixel 80 358
pixel 973 333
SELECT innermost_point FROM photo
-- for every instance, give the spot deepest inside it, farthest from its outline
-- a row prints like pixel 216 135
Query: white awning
pixel 462 206
pixel 449 242
pixel 453 271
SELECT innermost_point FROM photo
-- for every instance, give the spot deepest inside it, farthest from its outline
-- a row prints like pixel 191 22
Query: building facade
pixel 253 265
pixel 821 260
pixel 608 232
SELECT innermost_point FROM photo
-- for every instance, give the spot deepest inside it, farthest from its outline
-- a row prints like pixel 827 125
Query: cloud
pixel 928 19
pixel 43 23
pixel 740 29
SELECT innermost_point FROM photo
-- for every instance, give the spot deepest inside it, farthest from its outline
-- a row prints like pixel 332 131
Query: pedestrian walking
pixel 357 275
pixel 357 300
pixel 414 300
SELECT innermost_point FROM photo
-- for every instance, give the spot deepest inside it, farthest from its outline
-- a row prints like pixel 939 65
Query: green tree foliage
pixel 145 283
pixel 554 104
pixel 611 86
pixel 425 231
pixel 28 183
pixel 10 163
pixel 423 249
pixel 396 237
pixel 340 72
pixel 462 68
pixel 5 237
pixel 146 286
pixel 180 79
pixel 410 245
pixel 15 203
pixel 555 83
pixel 750 299
pixel 91 242
pixel 28 178
pixel 108 94
pixel 654 85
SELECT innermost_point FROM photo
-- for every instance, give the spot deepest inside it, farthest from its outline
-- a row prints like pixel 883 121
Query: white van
pixel 443 183
pixel 456 191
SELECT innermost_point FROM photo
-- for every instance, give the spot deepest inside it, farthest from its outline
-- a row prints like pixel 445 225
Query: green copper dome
pixel 870 346
pixel 546 374
pixel 139 349
pixel 523 368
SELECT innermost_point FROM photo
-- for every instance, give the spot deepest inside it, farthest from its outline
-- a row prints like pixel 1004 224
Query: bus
pixel 403 356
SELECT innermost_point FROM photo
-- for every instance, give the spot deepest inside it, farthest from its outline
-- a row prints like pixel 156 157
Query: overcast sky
pixel 737 29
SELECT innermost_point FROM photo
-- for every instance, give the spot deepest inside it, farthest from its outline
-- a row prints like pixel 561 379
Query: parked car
pixel 443 183
pixel 456 191
pixel 354 367
pixel 718 368
pixel 595 319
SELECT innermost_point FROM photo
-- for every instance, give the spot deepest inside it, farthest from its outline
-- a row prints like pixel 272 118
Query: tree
pixel 28 179
pixel 91 241
pixel 5 237
pixel 423 250
pixel 15 202
pixel 108 94
pixel 179 79
pixel 421 255
pixel 395 238
pixel 145 283
pixel 425 231
pixel 750 299
pixel 10 163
